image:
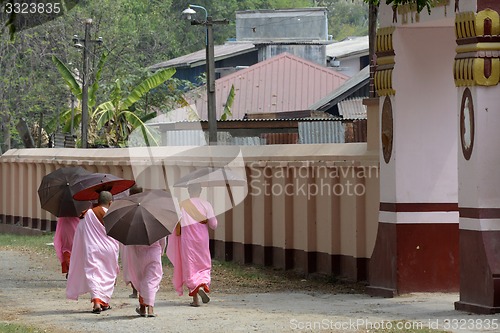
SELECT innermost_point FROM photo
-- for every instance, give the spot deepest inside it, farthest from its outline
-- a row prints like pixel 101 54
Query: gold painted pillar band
pixel 477 62
pixel 385 62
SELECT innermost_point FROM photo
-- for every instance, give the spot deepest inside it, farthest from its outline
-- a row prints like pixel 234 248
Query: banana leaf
pixel 147 85
pixel 137 122
pixel 68 77
pixel 105 112
pixel 229 104
pixel 95 86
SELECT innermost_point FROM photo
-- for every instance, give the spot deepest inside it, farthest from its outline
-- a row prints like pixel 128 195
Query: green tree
pixel 117 117
pixel 139 33
pixel 28 86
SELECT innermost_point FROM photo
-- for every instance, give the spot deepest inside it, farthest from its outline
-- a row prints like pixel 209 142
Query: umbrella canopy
pixel 141 219
pixel 210 176
pixel 94 183
pixel 57 189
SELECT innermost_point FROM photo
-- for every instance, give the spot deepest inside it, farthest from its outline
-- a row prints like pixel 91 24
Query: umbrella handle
pixel 229 191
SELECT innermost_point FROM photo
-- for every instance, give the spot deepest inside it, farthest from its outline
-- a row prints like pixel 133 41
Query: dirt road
pixel 33 292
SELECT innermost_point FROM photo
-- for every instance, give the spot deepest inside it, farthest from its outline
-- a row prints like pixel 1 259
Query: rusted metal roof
pixel 356 130
pixel 280 138
pixel 264 131
pixel 282 83
pixel 198 58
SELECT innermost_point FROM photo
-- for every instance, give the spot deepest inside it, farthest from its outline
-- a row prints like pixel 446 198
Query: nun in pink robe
pixel 143 267
pixel 63 240
pixel 189 252
pixel 94 263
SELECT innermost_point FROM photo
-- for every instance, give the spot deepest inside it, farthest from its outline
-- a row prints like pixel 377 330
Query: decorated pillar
pixel 417 240
pixel 477 76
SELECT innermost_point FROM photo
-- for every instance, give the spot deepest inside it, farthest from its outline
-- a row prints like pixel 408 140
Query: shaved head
pixel 105 198
pixel 194 190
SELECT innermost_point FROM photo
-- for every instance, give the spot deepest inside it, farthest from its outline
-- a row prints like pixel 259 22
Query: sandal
pixel 203 295
pixel 96 310
pixel 194 304
pixel 138 310
pixel 104 308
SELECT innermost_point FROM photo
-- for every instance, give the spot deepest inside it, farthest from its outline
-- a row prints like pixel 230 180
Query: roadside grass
pixel 17 328
pixel 36 244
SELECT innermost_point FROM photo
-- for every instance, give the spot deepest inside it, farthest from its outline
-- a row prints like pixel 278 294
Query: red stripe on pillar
pixel 480 213
pixel 418 207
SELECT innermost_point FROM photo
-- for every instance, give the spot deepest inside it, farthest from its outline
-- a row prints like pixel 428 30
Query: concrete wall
pixel 312 208
pixel 286 24
pixel 315 53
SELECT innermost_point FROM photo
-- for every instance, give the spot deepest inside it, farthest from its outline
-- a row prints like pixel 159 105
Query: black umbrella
pixel 141 219
pixel 94 183
pixel 57 189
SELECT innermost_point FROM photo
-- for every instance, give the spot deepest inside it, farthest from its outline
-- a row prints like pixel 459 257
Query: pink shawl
pixel 94 262
pixel 142 266
pixel 189 253
pixel 63 238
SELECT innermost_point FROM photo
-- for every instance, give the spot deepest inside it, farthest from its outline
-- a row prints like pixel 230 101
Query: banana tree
pixel 229 104
pixel 69 118
pixel 118 119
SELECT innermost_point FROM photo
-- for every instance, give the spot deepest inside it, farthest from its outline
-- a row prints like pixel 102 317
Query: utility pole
pixel 210 66
pixel 85 78
pixel 211 104
pixel 85 85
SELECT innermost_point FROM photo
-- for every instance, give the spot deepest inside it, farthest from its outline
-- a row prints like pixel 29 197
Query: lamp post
pixel 210 67
pixel 85 77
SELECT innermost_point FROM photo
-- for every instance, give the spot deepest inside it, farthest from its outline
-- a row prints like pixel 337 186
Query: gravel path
pixel 33 292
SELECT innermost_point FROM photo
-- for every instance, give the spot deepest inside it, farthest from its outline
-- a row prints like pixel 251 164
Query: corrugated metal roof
pixel 352 46
pixel 282 83
pixel 184 138
pixel 198 58
pixel 280 115
pixel 193 138
pixel 356 131
pixel 352 109
pixel 280 138
pixel 247 141
pixel 356 81
pixel 321 132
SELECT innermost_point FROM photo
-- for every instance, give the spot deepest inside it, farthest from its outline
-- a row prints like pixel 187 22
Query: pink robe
pixel 94 262
pixel 189 253
pixel 142 266
pixel 124 261
pixel 63 239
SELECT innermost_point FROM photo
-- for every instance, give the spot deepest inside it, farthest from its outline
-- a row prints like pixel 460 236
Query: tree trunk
pixel 5 133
